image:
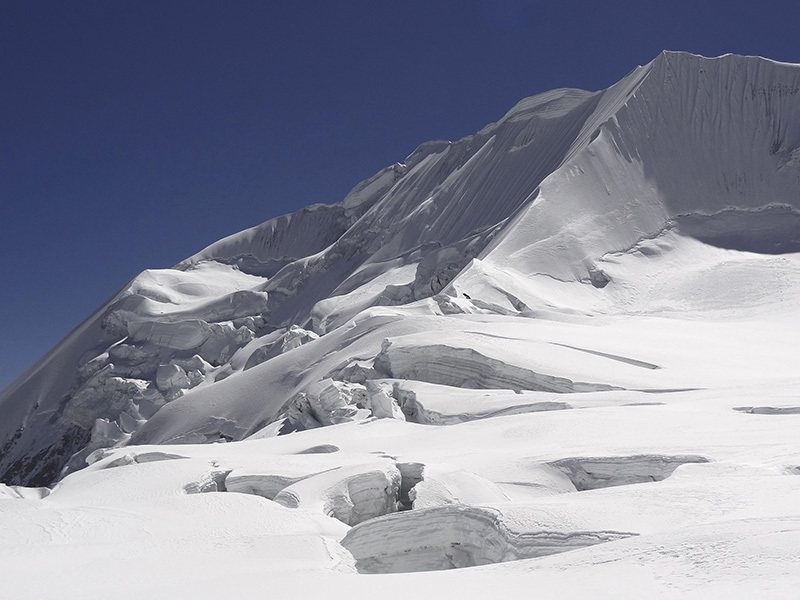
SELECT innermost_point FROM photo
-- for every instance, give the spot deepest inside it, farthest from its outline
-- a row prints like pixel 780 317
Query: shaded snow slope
pixel 674 190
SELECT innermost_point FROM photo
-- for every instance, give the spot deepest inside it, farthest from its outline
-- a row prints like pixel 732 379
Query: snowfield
pixel 558 357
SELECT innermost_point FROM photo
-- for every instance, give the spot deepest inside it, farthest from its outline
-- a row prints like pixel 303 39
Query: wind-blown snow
pixel 560 352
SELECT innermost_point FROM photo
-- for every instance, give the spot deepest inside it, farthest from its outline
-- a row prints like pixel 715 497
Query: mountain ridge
pixel 525 216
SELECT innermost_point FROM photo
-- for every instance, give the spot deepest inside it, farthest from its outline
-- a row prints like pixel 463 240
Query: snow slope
pixel 561 352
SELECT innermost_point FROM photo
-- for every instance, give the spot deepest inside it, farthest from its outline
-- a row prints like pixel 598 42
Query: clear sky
pixel 134 133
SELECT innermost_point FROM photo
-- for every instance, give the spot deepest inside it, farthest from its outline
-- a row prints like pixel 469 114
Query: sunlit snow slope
pixel 571 334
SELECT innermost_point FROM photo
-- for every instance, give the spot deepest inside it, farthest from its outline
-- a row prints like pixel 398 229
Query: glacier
pixel 559 352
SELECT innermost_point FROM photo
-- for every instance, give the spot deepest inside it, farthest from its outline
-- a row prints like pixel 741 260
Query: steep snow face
pixel 648 197
pixel 704 147
pixel 433 213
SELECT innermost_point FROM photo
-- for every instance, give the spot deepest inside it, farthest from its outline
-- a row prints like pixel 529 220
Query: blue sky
pixel 134 133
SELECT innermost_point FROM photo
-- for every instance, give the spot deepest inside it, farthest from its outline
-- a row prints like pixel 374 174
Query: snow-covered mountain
pixel 597 291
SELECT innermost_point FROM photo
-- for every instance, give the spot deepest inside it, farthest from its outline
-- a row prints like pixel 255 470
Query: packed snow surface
pixel 558 355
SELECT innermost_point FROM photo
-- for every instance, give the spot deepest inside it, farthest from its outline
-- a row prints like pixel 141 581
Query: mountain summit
pixel 673 193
